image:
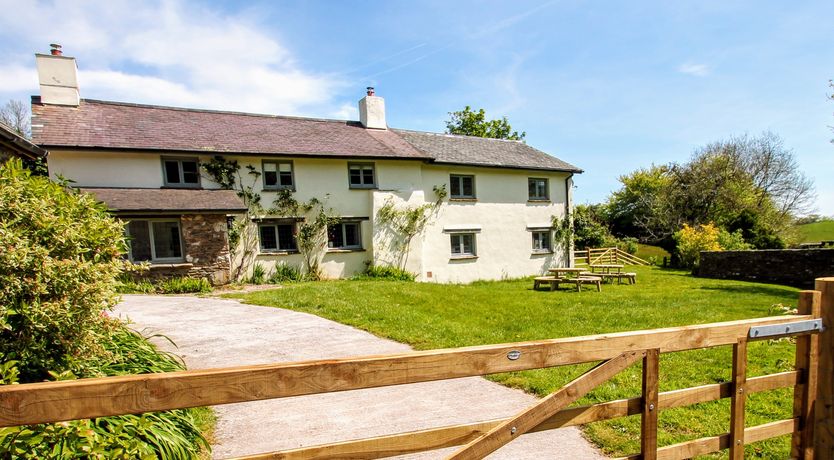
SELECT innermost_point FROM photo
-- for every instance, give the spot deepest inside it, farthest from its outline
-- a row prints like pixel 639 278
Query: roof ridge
pixel 221 112
pixel 432 133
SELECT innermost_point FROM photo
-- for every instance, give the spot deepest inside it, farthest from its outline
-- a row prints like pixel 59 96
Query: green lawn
pixel 816 232
pixel 645 251
pixel 429 316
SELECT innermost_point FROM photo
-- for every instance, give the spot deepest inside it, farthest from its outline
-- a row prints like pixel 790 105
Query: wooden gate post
pixel 824 407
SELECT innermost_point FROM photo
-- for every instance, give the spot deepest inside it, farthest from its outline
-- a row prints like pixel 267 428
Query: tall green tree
pixel 470 123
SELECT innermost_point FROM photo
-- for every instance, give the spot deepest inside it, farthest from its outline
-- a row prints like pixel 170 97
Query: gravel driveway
pixel 221 333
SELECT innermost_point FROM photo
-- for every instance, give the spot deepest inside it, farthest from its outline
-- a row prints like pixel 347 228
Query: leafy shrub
pixel 628 244
pixel 385 272
pixel 129 286
pixel 284 273
pixel 732 241
pixel 183 285
pixel 60 255
pixel 692 240
pixel 171 434
pixel 258 274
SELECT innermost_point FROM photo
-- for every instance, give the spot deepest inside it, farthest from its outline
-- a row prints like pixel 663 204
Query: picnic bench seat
pixel 552 280
pixel 630 276
pixel 580 280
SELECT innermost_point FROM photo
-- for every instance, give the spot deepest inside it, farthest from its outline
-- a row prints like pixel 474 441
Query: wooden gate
pixel 811 426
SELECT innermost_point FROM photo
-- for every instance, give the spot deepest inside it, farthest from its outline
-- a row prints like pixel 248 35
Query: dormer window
pixel 181 172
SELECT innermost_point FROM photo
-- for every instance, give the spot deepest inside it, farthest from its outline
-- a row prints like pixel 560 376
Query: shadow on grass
pixel 753 289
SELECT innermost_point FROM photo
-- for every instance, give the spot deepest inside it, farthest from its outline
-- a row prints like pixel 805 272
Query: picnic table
pixel 560 275
pixel 606 268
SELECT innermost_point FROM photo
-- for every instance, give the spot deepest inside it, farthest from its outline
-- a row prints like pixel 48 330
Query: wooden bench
pixel 580 280
pixel 630 277
pixel 553 281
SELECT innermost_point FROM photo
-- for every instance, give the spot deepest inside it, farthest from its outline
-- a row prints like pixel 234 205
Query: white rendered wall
pixel 502 211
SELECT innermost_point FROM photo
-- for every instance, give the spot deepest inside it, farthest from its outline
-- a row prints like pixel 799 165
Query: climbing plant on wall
pixel 311 233
pixel 563 231
pixel 408 221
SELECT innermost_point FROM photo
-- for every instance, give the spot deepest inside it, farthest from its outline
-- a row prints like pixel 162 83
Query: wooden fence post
pixel 807 352
pixel 648 425
pixel 824 406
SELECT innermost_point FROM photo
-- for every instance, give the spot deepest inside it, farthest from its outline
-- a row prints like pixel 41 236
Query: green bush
pixel 628 244
pixel 258 274
pixel 285 273
pixel 390 273
pixel 184 285
pixel 60 255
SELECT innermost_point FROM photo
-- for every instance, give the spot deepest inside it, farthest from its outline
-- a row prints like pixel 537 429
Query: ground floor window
pixel 277 237
pixel 542 241
pixel 463 244
pixel 344 235
pixel 154 240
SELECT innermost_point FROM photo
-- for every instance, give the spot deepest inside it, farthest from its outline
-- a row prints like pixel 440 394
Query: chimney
pixel 58 77
pixel 372 111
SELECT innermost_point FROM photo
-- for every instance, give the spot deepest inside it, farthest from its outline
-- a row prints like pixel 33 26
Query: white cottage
pixel 145 161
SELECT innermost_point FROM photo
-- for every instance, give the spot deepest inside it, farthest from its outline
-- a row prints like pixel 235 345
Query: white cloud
pixel 166 52
pixel 347 111
pixel 698 70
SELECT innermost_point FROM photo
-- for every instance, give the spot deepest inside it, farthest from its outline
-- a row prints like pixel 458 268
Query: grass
pixel 646 252
pixel 429 316
pixel 817 231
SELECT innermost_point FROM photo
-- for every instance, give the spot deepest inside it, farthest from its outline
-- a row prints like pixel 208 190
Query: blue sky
pixel 608 86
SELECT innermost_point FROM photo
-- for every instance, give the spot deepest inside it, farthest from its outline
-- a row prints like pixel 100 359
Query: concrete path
pixel 221 333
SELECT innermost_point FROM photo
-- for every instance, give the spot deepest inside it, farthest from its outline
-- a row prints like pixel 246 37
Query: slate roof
pixel 479 151
pixel 115 125
pixel 144 200
pixel 14 143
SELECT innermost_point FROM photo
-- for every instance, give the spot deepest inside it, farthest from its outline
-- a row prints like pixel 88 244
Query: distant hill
pixel 816 232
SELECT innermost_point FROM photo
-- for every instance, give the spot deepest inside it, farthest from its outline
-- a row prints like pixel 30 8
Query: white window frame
pixel 345 247
pixel 461 196
pixel 546 189
pixel 274 225
pixel 460 245
pixel 154 258
pixel 278 185
pixel 182 183
pixel 548 238
pixel 362 176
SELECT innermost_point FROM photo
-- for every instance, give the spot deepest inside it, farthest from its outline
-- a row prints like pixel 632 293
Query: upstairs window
pixel 542 241
pixel 361 175
pixel 537 189
pixel 154 240
pixel 278 237
pixel 462 187
pixel 463 244
pixel 278 175
pixel 181 172
pixel 345 235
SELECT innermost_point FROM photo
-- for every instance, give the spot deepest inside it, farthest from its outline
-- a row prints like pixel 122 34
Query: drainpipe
pixel 568 183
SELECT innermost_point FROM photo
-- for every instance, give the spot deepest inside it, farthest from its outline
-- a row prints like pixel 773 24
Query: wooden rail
pixel 612 255
pixel 811 425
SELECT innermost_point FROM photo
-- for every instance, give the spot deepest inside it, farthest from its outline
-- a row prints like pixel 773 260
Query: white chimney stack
pixel 372 111
pixel 58 77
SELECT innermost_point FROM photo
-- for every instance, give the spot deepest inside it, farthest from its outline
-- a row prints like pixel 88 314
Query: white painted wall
pixel 502 211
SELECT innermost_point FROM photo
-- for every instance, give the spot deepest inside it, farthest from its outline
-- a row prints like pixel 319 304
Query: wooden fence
pixel 606 256
pixel 811 426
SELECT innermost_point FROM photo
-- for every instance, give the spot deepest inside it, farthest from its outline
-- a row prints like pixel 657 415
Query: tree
pixel 470 123
pixel 15 115
pixel 635 209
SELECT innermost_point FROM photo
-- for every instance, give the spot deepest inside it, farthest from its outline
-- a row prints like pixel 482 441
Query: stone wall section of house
pixel 792 267
pixel 206 250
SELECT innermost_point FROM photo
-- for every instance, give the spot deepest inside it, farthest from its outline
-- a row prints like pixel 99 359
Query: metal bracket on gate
pixel 786 329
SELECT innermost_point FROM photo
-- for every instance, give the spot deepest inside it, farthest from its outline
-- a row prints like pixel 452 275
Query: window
pixel 278 237
pixel 463 244
pixel 278 175
pixel 154 240
pixel 361 175
pixel 542 241
pixel 462 186
pixel 537 189
pixel 345 235
pixel 181 172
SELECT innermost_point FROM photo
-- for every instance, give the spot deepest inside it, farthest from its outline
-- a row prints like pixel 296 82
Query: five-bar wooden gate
pixel 812 424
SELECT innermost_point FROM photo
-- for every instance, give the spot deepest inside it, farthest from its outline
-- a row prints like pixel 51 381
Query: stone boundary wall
pixel 791 267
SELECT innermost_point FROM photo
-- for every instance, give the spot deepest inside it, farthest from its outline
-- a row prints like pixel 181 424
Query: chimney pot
pixel 55 49
pixel 370 91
